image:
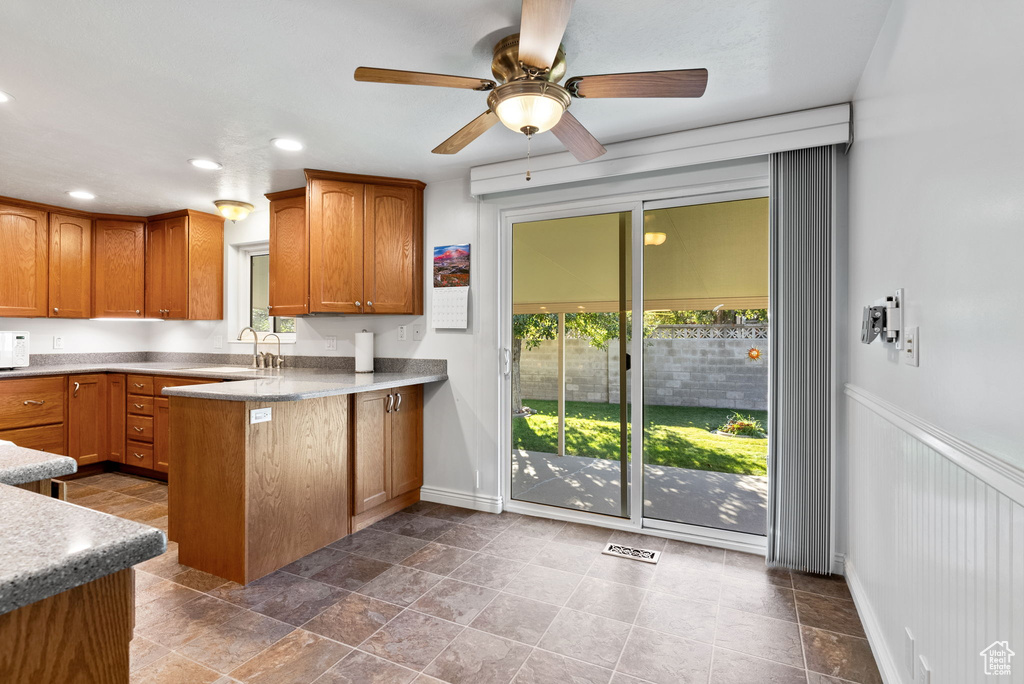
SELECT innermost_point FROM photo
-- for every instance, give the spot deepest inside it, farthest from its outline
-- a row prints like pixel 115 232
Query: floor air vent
pixel 623 551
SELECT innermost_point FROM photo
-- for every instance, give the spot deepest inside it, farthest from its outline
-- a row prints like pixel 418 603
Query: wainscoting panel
pixel 934 547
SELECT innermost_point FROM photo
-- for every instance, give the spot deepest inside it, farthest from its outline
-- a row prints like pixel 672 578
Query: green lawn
pixel 675 435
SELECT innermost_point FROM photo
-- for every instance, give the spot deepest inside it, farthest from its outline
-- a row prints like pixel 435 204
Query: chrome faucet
pixel 255 344
pixel 274 360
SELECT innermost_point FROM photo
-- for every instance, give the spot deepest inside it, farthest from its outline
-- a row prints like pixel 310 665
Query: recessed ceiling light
pixel 205 164
pixel 81 194
pixel 287 144
pixel 5 97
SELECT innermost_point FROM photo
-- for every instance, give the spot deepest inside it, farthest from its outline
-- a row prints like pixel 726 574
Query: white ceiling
pixel 116 95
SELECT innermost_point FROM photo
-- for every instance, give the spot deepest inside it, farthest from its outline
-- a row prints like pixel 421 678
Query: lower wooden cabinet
pixel 387 459
pixel 116 397
pixel 87 418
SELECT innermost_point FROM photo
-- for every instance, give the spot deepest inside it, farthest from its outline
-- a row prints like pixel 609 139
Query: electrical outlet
pixel 910 346
pixel 417 331
pixel 923 675
pixel 402 336
pixel 331 343
pixel 218 341
pixel 58 342
pixel 260 415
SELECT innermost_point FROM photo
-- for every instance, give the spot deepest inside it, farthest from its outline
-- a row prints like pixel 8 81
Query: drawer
pixel 140 404
pixel 46 438
pixel 139 455
pixel 26 402
pixel 140 384
pixel 140 428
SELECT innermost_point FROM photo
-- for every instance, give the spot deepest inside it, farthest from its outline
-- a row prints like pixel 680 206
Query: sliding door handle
pixel 508 361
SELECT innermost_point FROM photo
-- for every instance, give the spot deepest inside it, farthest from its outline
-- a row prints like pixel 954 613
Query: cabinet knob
pixel 138 312
pixel 55 309
pixel 369 303
pixel 270 306
pixel 359 305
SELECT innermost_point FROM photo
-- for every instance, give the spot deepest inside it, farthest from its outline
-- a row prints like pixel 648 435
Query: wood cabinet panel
pixel 44 438
pixel 289 257
pixel 176 268
pixel 119 268
pixel 140 455
pixel 392 250
pixel 371 472
pixel 205 273
pixel 406 440
pixel 116 398
pixel 335 246
pixel 140 384
pixel 185 266
pixel 70 291
pixel 25 402
pixel 140 428
pixel 156 264
pixel 24 278
pixel 87 418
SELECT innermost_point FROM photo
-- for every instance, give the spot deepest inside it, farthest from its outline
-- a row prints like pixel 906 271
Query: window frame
pixel 243 295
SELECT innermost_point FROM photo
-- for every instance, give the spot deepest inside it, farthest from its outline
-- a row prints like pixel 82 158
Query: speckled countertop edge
pixel 297 389
pixel 49 546
pixel 19 465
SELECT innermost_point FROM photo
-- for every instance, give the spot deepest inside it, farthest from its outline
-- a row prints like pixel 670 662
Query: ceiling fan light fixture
pixel 233 210
pixel 534 106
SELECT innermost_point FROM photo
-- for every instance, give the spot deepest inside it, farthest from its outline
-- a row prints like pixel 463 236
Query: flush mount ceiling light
pixel 287 144
pixel 81 194
pixel 529 107
pixel 655 238
pixel 233 210
pixel 5 97
pixel 205 164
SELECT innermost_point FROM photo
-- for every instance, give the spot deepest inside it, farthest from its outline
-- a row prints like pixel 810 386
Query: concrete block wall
pixel 679 372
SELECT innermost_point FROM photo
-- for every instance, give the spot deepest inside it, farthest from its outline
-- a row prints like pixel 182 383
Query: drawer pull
pixel 137 384
pixel 139 406
pixel 138 429
pixel 75 394
pixel 391 403
pixel 398 406
pixel 138 456
pixel 34 402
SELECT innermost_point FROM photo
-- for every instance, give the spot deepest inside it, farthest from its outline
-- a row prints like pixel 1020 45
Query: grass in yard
pixel 675 435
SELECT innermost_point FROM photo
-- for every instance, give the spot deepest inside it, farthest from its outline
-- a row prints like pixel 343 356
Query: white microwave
pixel 13 349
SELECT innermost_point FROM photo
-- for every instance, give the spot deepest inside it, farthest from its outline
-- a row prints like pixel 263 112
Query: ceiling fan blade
pixel 467 134
pixel 540 34
pixel 577 139
pixel 372 75
pixel 679 83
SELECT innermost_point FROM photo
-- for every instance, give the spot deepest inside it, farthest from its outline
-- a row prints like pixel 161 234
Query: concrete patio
pixel 698 497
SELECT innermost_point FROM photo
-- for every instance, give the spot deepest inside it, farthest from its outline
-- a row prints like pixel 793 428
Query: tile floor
pixel 443 594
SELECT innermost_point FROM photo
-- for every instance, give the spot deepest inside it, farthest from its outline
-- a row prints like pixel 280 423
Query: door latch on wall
pixel 885 318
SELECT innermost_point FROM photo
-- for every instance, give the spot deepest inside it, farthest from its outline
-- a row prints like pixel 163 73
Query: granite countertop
pixel 248 384
pixel 49 546
pixel 20 466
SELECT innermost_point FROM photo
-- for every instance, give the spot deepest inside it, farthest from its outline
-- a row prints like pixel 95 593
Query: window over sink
pixel 259 298
pixel 251 297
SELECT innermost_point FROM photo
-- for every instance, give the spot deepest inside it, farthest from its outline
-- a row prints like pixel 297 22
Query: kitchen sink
pixel 220 369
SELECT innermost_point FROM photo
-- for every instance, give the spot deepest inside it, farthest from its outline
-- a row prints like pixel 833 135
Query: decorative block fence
pixel 685 365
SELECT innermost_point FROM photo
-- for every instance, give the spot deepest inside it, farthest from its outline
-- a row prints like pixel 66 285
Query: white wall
pixel 934 460
pixel 82 336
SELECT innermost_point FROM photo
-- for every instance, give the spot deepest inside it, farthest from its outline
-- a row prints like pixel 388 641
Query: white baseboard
pixel 451 497
pixel 872 628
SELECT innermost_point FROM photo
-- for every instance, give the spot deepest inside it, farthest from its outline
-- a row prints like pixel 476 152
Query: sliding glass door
pixel 699 348
pixel 571 304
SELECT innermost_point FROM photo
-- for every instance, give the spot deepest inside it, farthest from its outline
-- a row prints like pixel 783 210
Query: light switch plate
pixel 417 331
pixel 910 346
pixel 331 343
pixel 260 415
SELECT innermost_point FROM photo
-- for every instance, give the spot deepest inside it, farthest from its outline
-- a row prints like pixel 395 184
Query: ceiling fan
pixel 528 98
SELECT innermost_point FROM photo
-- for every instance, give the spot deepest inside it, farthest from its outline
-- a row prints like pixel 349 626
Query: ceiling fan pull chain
pixel 528 130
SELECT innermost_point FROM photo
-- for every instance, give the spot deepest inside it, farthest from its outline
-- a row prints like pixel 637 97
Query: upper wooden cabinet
pixel 24 276
pixel 119 268
pixel 352 244
pixel 289 253
pixel 185 266
pixel 70 266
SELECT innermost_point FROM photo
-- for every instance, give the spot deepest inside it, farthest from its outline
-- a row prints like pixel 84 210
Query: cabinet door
pixel 119 269
pixel 406 440
pixel 156 250
pixel 116 395
pixel 371 472
pixel 392 258
pixel 70 266
pixel 289 257
pixel 23 278
pixel 87 418
pixel 335 247
pixel 161 434
pixel 176 268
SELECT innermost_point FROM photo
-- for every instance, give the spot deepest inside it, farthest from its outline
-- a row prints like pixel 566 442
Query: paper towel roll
pixel 364 352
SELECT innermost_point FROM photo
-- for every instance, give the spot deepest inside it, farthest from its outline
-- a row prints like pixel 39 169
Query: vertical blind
pixel 800 409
